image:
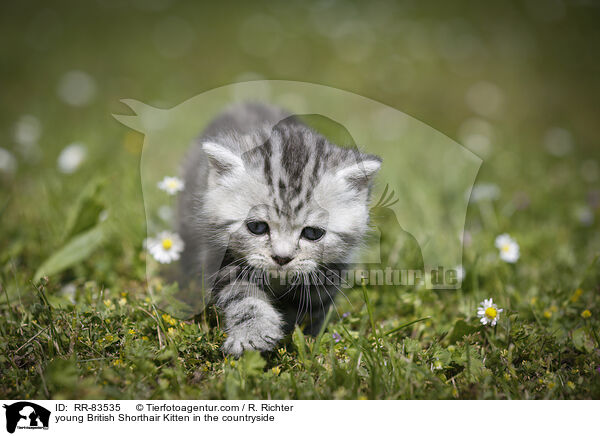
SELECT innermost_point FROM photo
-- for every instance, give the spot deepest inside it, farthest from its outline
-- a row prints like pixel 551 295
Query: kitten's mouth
pixel 282 269
pixel 282 280
pixel 286 273
pixel 281 272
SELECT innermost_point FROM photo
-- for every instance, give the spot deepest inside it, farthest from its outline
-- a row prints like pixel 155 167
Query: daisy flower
pixel 483 192
pixel 27 130
pixel 8 163
pixel 165 247
pixel 460 273
pixel 489 312
pixel 509 249
pixel 71 158
pixel 171 185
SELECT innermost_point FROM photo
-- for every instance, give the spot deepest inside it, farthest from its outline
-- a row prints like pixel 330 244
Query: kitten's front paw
pixel 262 338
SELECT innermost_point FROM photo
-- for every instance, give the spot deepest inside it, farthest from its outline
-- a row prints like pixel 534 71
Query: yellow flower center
pixel 172 184
pixel 506 247
pixel 167 243
pixel 491 313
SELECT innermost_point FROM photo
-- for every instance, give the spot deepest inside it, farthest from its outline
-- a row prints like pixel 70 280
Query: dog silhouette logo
pixel 423 186
pixel 26 415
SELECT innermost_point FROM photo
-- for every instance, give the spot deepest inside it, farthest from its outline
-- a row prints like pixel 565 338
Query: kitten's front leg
pixel 252 323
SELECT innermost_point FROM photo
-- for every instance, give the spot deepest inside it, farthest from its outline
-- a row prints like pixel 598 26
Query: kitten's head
pixel 288 200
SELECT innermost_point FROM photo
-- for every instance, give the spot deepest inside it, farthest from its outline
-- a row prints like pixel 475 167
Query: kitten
pixel 283 204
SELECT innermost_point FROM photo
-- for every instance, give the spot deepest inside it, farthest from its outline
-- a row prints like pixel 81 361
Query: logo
pixel 423 186
pixel 26 415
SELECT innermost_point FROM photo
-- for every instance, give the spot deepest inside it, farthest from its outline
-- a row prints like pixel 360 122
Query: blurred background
pixel 515 82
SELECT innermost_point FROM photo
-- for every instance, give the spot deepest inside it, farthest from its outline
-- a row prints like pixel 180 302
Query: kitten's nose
pixel 281 260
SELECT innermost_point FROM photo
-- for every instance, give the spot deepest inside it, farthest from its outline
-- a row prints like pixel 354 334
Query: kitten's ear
pixel 223 160
pixel 360 175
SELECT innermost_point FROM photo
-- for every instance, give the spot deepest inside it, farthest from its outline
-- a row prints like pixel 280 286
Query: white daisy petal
pixel 502 240
pixel 508 247
pixel 71 158
pixel 166 247
pixel 488 312
pixel 171 185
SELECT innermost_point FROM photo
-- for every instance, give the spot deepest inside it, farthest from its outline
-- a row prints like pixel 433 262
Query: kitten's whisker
pixel 239 278
pixel 331 298
pixel 303 297
pixel 267 283
pixel 322 265
pixel 292 286
pixel 235 263
pixel 309 298
pixel 301 303
pixel 315 278
pixel 334 285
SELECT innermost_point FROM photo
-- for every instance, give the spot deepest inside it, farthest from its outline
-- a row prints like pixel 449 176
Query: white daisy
pixel 8 163
pixel 171 185
pixel 483 192
pixel 165 247
pixel 509 249
pixel 489 312
pixel 77 88
pixel 71 158
pixel 558 141
pixel 460 273
pixel 27 130
pixel 585 215
pixel 165 213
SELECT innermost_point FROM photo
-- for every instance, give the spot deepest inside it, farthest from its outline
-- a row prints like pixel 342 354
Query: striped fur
pixel 257 163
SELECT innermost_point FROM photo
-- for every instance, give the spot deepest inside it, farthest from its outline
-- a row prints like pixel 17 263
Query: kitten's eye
pixel 258 227
pixel 312 233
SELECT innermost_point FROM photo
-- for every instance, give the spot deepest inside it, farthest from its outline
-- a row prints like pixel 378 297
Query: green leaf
pixel 317 345
pixel 407 324
pixel 582 341
pixel 412 346
pixel 61 374
pixel 251 364
pixel 461 329
pixel 86 211
pixel 300 343
pixel 444 356
pixel 77 249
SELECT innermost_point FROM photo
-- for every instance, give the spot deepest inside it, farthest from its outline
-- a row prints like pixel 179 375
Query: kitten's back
pixel 245 118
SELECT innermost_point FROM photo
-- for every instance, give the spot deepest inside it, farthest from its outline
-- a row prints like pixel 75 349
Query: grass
pixel 91 329
pixel 96 341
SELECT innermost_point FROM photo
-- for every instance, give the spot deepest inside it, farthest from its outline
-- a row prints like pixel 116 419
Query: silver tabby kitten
pixel 269 204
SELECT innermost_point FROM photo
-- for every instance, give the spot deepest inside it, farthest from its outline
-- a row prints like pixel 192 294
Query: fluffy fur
pixel 255 163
